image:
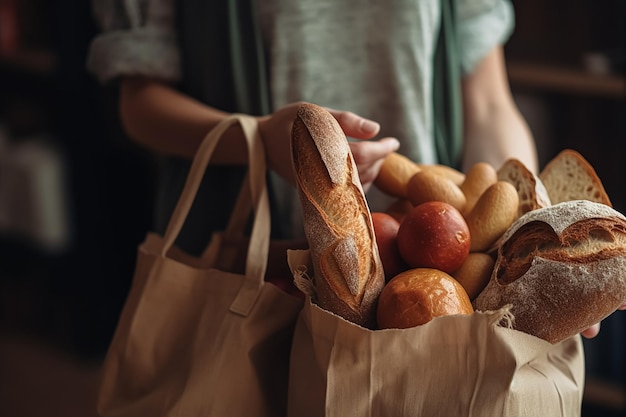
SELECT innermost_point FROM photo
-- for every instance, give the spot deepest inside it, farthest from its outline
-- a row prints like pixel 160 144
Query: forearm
pixel 169 122
pixel 166 121
pixel 494 128
pixel 500 134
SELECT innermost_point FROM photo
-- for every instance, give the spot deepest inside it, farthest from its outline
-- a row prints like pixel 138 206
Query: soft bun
pixel 561 268
pixel 416 296
pixel 395 173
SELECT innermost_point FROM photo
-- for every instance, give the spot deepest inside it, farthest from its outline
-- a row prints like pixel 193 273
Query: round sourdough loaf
pixel 561 268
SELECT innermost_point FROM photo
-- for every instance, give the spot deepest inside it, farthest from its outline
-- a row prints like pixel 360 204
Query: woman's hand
pixel 369 156
pixel 276 128
pixel 595 329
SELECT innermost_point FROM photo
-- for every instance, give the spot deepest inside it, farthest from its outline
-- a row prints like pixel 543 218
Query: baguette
pixel 348 273
pixel 561 268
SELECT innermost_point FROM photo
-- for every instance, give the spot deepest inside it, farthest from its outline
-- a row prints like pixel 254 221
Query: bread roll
pixel 452 174
pixel 416 296
pixel 492 215
pixel 394 174
pixel 475 273
pixel 479 177
pixel 561 268
pixel 427 186
pixel 348 273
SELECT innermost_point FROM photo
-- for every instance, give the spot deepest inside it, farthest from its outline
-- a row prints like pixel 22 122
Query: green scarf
pixel 448 110
pixel 223 62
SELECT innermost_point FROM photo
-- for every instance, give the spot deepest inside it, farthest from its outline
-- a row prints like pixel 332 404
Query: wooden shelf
pixel 565 80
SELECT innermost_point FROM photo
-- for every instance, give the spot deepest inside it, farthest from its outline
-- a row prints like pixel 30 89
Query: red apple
pixel 386 231
pixel 434 234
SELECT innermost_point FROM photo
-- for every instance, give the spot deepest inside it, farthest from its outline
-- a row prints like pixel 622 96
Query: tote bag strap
pixel 241 211
pixel 258 249
pixel 224 247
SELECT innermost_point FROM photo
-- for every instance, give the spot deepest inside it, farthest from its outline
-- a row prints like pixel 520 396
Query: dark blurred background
pixel 75 194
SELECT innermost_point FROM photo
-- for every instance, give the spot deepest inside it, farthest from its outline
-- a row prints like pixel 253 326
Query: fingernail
pixel 368 126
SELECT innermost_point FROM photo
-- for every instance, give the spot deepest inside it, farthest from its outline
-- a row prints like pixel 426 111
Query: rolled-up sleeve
pixel 137 38
pixel 482 24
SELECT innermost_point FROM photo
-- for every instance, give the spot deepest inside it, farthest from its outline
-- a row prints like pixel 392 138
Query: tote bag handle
pixel 258 248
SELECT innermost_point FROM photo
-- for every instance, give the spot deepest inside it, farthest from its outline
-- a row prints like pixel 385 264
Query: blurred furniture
pixel 566 65
pixel 76 194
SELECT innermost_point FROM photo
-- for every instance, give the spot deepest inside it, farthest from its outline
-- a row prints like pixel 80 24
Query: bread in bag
pixel 394 174
pixel 569 176
pixel 531 190
pixel 562 269
pixel 348 273
pixel 416 296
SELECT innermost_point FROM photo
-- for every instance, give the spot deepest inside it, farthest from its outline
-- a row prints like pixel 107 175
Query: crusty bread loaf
pixel 569 176
pixel 348 273
pixel 562 268
pixel 532 193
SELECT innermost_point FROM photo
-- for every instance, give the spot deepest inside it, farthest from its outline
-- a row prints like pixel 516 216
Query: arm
pixel 495 130
pixel 166 121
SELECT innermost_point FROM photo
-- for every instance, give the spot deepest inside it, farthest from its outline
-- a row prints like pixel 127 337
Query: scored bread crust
pixel 561 268
pixel 348 273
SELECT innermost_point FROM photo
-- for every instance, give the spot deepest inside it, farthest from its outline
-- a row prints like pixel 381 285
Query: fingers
pixel 354 125
pixel 367 153
pixel 592 331
pixel 369 157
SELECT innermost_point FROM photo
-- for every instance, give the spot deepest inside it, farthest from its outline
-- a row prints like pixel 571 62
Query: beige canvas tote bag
pixel 193 338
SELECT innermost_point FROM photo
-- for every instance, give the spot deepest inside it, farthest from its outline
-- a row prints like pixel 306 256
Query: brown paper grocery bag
pixel 194 339
pixel 453 366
